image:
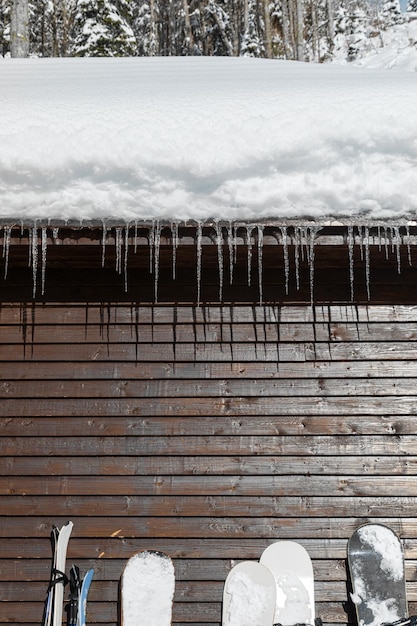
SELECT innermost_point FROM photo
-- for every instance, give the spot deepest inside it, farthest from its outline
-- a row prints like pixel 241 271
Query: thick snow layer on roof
pixel 200 138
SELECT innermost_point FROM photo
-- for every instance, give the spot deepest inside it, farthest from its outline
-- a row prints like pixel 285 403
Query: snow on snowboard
pixel 277 590
pixel 147 590
pixel 292 569
pixel 249 596
pixel 376 565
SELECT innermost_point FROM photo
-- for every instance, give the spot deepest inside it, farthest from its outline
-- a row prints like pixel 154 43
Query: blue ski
pixel 82 602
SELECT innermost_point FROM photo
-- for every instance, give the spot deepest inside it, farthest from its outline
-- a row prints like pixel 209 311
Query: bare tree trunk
pixel 188 31
pixel 268 35
pixel 289 28
pixel 330 21
pixel 154 44
pixel 300 30
pixel 19 29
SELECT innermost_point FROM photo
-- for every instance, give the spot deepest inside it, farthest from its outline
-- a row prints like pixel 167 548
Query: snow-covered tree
pixel 357 38
pixel 4 27
pixel 51 24
pixel 19 28
pixel 145 20
pixel 412 6
pixel 219 29
pixel 102 30
pixel 391 13
pixel 254 34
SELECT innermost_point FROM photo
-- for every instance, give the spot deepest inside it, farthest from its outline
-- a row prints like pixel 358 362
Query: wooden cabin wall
pixel 207 433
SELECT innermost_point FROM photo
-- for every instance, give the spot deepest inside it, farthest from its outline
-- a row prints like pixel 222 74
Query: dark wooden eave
pixel 87 261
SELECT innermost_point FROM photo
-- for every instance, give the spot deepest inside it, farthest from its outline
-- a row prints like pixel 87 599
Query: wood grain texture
pixel 205 432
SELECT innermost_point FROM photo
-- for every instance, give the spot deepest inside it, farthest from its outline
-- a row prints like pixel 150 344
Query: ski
pixel 82 601
pixel 55 596
pixel 49 601
pixel 376 565
pixel 75 587
pixel 147 590
pixel 292 570
pixel 249 596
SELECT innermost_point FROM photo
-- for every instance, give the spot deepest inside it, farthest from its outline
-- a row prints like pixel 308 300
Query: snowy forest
pixel 304 30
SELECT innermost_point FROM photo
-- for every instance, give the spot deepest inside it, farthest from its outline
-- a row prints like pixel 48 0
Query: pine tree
pixel 219 29
pixel 4 27
pixel 101 30
pixel 412 6
pixel 145 28
pixel 253 36
pixel 391 13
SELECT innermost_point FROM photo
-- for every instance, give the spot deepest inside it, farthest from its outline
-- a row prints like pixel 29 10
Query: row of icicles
pixel 302 238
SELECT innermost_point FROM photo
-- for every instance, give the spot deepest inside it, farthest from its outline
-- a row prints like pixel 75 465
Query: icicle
pixel 231 251
pixel 6 248
pixel 351 247
pixel 311 232
pixel 386 243
pixel 367 262
pixel 34 255
pixel 135 240
pixel 55 234
pixel 235 246
pixel 151 245
pixel 118 244
pixel 410 262
pixel 249 229
pixel 219 244
pixel 379 239
pixel 397 247
pixel 44 247
pixel 174 231
pixel 199 253
pixel 297 243
pixel 361 241
pixel 103 245
pixel 260 261
pixel 284 240
pixel 126 254
pixel 157 249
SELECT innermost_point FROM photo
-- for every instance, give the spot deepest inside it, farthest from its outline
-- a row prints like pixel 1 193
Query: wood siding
pixel 205 432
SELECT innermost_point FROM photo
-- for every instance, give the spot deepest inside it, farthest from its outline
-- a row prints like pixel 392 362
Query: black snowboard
pixel 376 564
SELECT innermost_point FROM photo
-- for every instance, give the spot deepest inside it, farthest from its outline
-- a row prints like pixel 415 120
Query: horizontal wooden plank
pixel 237 406
pixel 200 388
pixel 188 548
pixel 404 465
pixel 203 528
pixel 55 370
pixel 223 352
pixel 209 332
pixel 303 486
pixel 211 425
pixel 218 506
pixel 25 314
pixel 210 446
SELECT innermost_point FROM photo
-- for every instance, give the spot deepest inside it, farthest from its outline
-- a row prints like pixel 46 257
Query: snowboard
pixel 376 565
pixel 147 590
pixel 292 569
pixel 249 596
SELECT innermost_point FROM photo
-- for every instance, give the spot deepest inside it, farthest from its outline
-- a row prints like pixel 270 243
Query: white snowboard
pixel 147 590
pixel 249 596
pixel 291 566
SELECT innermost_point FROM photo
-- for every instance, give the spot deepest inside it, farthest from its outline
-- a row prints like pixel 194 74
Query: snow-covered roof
pixel 200 138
